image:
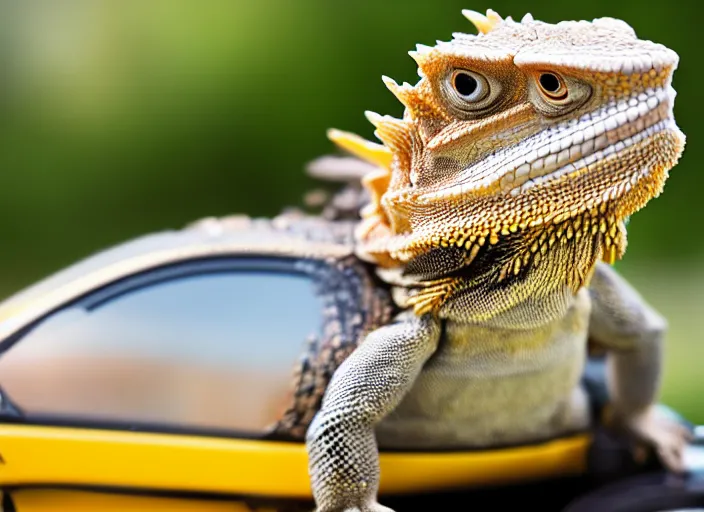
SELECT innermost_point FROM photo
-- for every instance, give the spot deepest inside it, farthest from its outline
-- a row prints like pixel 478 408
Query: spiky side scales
pixel 353 306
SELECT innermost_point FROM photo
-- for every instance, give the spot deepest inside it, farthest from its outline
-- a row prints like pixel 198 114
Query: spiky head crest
pixel 517 135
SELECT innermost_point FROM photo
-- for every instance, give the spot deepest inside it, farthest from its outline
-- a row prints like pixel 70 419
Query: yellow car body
pixel 41 463
pixel 48 465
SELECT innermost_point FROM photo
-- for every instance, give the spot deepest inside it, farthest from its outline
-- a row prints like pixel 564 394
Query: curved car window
pixel 213 350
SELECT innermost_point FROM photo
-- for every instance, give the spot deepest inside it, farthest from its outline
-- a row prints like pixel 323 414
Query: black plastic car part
pixel 654 491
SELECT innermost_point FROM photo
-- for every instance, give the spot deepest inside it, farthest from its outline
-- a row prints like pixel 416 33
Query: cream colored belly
pixel 488 386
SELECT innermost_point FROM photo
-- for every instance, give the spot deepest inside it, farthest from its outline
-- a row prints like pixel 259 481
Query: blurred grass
pixel 122 117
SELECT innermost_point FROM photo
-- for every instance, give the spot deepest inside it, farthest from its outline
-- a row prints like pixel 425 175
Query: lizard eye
pixel 555 95
pixel 469 92
pixel 552 86
pixel 469 86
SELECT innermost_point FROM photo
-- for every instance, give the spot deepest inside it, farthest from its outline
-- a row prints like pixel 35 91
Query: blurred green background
pixel 121 117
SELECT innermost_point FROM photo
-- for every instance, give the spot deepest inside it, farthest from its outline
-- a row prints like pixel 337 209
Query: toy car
pixel 145 377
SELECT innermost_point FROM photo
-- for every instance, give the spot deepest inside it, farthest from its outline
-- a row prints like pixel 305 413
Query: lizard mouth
pixel 569 148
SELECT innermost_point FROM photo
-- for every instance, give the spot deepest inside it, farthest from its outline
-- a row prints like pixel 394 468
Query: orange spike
pixel 376 154
pixel 394 133
pixel 483 23
pixel 377 183
pixel 403 92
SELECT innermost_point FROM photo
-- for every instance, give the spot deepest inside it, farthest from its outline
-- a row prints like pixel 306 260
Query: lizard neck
pixel 537 295
pixel 536 271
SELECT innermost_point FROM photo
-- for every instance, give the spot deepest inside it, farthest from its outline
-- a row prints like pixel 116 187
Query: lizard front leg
pixel 342 449
pixel 632 332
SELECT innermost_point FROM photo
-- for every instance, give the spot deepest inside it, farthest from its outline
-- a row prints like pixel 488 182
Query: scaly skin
pixel 495 203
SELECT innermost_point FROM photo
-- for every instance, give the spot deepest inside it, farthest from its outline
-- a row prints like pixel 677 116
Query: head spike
pixel 420 60
pixel 375 154
pixel 390 84
pixel 402 92
pixel 394 133
pixel 376 183
pixel 483 23
pixel 421 55
pixel 478 20
pixel 493 17
pixel 373 117
pixel 527 18
pixel 423 51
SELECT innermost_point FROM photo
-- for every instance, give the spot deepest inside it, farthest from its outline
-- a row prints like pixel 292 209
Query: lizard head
pixel 524 145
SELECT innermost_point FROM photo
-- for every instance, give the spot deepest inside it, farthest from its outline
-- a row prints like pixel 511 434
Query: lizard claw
pixel 667 436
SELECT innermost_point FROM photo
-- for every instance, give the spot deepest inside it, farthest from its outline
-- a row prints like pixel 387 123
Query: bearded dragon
pixel 497 204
